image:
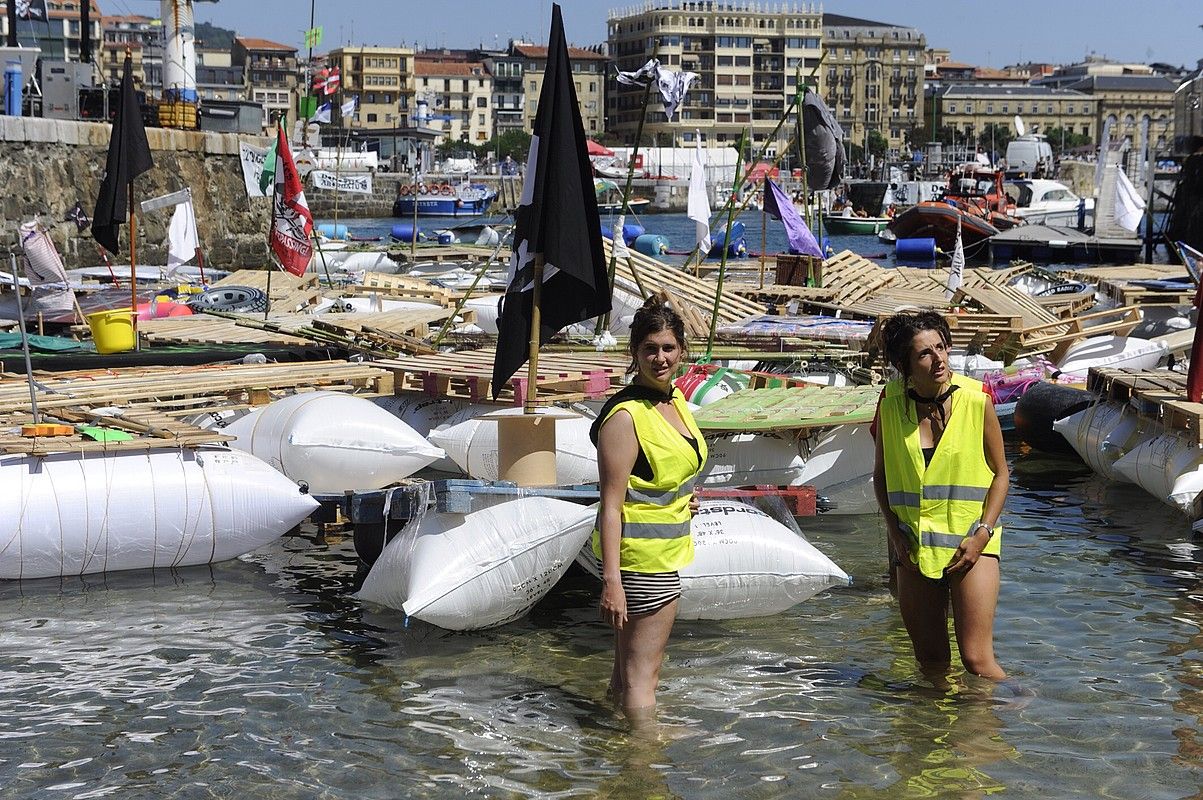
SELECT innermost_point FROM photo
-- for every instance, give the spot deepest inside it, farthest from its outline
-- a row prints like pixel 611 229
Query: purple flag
pixel 778 206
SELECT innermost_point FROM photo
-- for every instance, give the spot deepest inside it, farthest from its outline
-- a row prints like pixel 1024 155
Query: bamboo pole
pixel 133 266
pixel 722 268
pixel 603 322
pixel 532 365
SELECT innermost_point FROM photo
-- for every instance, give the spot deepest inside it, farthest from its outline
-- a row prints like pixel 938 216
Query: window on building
pixel 1006 109
pixel 952 108
pixel 371 117
pixel 989 108
pixel 482 102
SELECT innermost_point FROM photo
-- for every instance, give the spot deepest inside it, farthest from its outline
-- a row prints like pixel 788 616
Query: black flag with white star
pixel 557 219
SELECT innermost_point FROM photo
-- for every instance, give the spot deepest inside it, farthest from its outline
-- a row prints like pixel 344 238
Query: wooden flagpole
pixel 133 265
pixel 536 319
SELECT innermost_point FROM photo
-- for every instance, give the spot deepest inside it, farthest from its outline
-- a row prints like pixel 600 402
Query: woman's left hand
pixel 694 505
pixel 967 554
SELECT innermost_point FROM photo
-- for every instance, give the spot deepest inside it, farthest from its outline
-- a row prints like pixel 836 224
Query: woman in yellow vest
pixel 649 451
pixel 941 481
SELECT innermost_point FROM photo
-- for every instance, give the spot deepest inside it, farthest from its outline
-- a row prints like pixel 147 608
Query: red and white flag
pixel 319 79
pixel 332 82
pixel 292 223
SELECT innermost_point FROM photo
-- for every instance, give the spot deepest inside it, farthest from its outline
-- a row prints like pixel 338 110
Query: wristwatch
pixel 989 530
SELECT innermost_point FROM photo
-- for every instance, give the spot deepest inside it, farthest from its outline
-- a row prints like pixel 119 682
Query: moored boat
pixel 443 200
pixel 855 226
pixel 974 199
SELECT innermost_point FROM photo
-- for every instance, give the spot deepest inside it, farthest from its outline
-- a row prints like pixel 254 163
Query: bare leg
pixel 642 643
pixel 974 599
pixel 616 686
pixel 924 606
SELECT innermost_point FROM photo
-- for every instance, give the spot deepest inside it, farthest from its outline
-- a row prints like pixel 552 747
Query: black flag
pixel 32 9
pixel 129 157
pixel 556 219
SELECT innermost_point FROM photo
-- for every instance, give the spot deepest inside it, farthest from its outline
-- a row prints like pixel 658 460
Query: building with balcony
pixel 58 37
pixel 457 97
pixel 509 99
pixel 144 38
pixel 216 76
pixel 588 77
pixel 270 72
pixel 874 78
pixel 382 78
pixel 1132 103
pixel 969 108
pixel 747 58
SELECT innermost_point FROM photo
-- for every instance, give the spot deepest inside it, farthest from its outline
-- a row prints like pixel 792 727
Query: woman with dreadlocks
pixel 941 479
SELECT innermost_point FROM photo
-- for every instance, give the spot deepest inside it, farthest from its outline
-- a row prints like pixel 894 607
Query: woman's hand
pixel 613 604
pixel 900 550
pixel 694 505
pixel 967 554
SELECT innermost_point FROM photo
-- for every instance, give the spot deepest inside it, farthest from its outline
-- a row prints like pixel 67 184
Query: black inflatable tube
pixel 1043 404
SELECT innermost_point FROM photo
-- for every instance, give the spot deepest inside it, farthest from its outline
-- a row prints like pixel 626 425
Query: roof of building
pixel 251 43
pixel 534 51
pixel 1138 83
pixel 954 65
pixel 128 19
pixel 991 74
pixel 1025 91
pixel 840 21
pixel 425 67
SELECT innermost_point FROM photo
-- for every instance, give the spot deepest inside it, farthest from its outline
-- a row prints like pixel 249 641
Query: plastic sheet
pixel 333 442
pixel 72 514
pixel 479 570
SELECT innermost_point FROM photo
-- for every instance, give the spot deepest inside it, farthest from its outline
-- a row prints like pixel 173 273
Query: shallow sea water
pixel 265 677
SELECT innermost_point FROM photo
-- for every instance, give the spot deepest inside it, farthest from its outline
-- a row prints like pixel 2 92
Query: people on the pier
pixel 940 477
pixel 649 451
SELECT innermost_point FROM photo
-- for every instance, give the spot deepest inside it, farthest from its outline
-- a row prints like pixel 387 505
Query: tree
pixel 922 134
pixel 515 144
pixel 995 136
pixel 1061 140
pixel 878 143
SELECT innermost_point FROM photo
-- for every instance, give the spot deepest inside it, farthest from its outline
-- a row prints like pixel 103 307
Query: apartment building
pixel 58 36
pixel 588 76
pixel 144 38
pixel 747 57
pixel 509 98
pixel 270 71
pixel 455 98
pixel 382 78
pixel 874 78
pixel 969 108
pixel 1133 103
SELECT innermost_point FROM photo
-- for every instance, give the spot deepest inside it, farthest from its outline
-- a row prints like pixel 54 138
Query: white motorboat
pixel 1046 202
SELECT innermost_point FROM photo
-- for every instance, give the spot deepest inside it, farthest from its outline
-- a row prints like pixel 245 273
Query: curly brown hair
pixel 900 329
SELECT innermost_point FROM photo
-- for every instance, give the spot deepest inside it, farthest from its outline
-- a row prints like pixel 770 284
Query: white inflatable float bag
pixel 333 442
pixel 748 459
pixel 1103 433
pixel 472 444
pixel 72 514
pixel 425 413
pixel 479 570
pixel 1169 467
pixel 1112 351
pixel 746 564
pixel 839 464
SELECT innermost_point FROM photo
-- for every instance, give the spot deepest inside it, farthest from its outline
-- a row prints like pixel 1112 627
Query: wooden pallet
pixel 288 292
pixel 403 286
pixel 469 375
pixel 189 387
pixel 208 329
pixel 792 408
pixel 152 430
pixel 1158 395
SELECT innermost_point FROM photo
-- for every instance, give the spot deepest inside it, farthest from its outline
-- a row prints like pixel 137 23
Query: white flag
pixel 182 240
pixel 1129 206
pixel 620 242
pixel 322 114
pixel 348 108
pixel 956 273
pixel 699 200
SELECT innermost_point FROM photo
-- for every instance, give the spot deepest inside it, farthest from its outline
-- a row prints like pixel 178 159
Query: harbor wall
pixel 47 165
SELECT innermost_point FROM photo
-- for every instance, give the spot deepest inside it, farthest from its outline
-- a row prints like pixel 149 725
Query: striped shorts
pixel 646 591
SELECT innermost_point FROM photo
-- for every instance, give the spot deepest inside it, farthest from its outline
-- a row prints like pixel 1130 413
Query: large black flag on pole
pixel 558 232
pixel 129 157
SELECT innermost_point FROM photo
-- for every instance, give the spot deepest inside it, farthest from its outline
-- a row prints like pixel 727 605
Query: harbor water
pixel 266 677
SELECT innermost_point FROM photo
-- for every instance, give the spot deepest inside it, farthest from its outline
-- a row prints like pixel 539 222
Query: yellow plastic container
pixel 112 331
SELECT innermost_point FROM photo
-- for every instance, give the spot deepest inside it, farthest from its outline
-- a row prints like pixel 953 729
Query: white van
pixel 1030 156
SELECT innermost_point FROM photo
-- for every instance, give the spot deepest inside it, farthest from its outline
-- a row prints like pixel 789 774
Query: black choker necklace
pixel 936 402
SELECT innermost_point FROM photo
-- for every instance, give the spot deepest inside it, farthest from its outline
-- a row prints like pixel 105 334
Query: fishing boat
pixel 856 226
pixel 609 198
pixel 443 200
pixel 974 199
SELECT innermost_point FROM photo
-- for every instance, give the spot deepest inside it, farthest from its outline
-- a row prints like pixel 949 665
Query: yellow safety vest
pixel 937 505
pixel 655 513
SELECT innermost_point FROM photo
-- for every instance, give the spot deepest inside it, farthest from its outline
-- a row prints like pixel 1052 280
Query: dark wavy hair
pixel 653 317
pixel 900 329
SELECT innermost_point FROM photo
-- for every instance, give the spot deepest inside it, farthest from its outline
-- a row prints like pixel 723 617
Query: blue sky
pixel 987 34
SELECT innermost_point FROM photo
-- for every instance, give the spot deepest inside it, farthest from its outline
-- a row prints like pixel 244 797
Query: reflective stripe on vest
pixel 945 497
pixel 655 513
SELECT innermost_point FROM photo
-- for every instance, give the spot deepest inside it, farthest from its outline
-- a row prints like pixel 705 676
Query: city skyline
pixel 1159 31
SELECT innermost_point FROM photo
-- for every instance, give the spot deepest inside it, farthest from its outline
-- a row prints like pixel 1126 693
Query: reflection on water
pixel 267 676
